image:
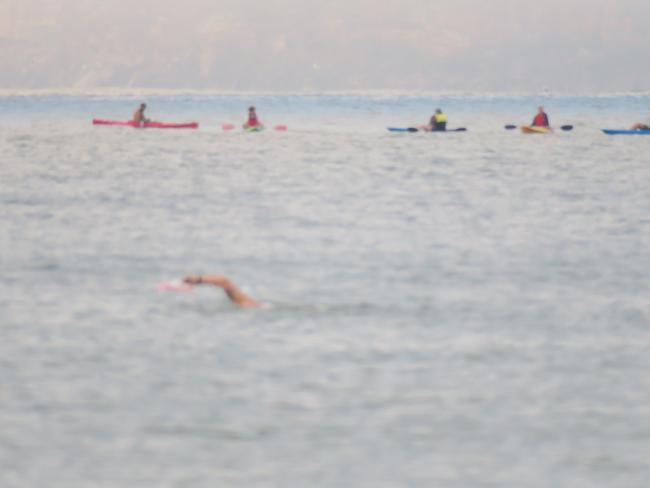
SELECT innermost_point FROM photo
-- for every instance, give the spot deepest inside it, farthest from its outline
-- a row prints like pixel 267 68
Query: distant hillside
pixel 296 45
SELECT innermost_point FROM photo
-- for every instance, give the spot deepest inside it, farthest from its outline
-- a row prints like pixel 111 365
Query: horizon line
pixel 397 92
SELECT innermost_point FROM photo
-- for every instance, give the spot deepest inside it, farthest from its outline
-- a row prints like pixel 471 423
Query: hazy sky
pixel 306 45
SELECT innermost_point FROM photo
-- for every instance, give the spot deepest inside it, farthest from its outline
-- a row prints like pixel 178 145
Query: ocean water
pixel 445 310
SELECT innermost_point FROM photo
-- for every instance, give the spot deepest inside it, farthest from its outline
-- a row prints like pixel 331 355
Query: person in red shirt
pixel 541 119
pixel 252 121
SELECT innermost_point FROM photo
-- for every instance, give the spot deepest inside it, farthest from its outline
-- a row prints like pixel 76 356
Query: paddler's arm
pixel 237 296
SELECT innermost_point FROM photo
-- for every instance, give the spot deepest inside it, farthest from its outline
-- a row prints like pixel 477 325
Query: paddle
pixel 415 129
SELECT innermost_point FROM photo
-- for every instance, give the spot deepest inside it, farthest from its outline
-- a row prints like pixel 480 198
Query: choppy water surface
pixel 457 310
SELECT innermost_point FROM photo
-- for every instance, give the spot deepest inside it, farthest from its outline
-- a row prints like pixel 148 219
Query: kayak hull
pixel 530 129
pixel 147 125
pixel 627 132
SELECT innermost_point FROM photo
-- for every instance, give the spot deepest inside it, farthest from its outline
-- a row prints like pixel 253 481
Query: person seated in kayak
pixel 237 296
pixel 138 115
pixel 438 121
pixel 541 119
pixel 252 121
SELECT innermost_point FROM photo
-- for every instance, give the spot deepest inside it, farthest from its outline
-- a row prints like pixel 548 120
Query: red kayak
pixel 148 125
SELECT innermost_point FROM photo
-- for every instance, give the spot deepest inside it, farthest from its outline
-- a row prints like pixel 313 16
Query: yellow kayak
pixel 531 129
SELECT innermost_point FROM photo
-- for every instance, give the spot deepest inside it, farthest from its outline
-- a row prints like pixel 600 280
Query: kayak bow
pixel 630 132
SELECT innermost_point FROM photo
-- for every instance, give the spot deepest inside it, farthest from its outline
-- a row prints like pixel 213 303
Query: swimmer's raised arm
pixel 237 296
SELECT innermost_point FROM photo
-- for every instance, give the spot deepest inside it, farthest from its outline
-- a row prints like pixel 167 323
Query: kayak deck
pixel 530 129
pixel 631 132
pixel 147 125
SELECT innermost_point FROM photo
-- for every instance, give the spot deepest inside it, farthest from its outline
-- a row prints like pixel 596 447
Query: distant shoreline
pixel 162 92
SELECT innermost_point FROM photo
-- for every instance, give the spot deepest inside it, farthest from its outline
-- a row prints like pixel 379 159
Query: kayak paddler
pixel 541 119
pixel 138 115
pixel 252 121
pixel 438 121
pixel 641 126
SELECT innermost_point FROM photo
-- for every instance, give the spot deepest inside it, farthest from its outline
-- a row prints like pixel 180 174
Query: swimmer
pixel 237 296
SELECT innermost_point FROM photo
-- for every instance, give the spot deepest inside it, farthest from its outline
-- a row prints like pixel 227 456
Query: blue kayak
pixel 632 132
pixel 414 129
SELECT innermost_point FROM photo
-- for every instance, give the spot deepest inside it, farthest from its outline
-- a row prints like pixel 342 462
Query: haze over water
pixel 567 46
pixel 458 310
